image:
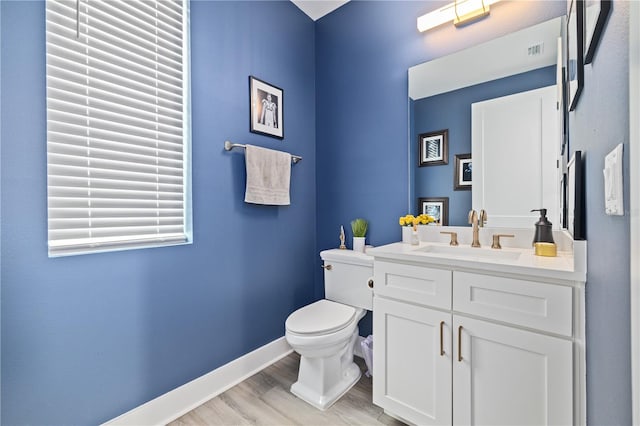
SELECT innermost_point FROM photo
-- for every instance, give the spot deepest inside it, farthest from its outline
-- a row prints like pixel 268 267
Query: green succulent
pixel 359 227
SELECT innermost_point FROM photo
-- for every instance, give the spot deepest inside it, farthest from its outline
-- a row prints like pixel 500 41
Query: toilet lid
pixel 321 317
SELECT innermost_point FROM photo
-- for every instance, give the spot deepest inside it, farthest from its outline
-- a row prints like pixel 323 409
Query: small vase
pixel 406 234
pixel 415 240
pixel 358 244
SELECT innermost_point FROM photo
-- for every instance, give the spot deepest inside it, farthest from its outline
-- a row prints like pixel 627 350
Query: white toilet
pixel 325 332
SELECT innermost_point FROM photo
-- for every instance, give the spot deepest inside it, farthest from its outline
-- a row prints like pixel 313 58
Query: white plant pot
pixel 358 244
pixel 406 234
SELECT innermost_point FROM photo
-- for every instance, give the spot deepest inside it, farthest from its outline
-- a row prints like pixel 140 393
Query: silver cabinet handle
pixel 441 338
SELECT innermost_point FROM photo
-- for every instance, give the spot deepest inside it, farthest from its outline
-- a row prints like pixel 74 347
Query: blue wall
pixel 363 51
pixel 452 111
pixel 86 338
pixel 599 123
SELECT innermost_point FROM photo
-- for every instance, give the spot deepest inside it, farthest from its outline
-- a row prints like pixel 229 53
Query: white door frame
pixel 634 187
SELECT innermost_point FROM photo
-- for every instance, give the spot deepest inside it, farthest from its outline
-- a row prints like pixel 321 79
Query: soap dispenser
pixel 544 230
pixel 543 237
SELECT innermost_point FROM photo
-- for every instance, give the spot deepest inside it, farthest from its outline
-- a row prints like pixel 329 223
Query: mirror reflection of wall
pixel 450 107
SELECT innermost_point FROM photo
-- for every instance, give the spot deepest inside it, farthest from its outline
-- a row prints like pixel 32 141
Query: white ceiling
pixel 316 9
pixel 494 59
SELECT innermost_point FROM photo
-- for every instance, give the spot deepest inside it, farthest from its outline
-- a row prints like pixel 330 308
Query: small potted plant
pixel 359 229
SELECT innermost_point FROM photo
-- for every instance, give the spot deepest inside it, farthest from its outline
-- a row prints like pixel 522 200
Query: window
pixel 117 124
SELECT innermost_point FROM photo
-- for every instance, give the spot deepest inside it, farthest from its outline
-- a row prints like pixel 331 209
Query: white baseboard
pixel 170 406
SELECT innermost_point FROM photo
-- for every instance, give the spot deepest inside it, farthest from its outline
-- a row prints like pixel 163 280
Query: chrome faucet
pixel 477 222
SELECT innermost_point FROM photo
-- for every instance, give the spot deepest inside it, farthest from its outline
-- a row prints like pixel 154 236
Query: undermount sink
pixel 470 252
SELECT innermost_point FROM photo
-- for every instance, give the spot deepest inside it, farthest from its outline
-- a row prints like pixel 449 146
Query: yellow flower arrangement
pixel 410 220
pixel 406 220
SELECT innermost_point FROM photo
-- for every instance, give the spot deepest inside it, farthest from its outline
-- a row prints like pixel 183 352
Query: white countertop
pixel 568 265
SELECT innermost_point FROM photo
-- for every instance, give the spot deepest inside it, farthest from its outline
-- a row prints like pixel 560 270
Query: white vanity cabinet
pixel 455 346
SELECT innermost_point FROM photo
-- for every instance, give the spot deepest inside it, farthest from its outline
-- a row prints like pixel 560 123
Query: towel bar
pixel 228 146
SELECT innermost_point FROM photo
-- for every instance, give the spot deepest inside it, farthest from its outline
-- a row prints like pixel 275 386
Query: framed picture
pixel 438 207
pixel 561 84
pixel 563 201
pixel 564 116
pixel 575 197
pixel 266 104
pixel 434 148
pixel 575 48
pixel 462 175
pixel 596 13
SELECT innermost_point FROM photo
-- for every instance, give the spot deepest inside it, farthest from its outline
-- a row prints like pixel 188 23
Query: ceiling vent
pixel 535 49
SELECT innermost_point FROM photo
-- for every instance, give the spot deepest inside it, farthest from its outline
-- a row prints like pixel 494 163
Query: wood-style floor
pixel 264 399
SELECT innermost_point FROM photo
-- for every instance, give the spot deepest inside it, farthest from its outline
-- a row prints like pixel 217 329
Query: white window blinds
pixel 117 124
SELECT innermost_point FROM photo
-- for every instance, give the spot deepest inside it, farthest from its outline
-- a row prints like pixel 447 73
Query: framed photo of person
pixel 462 175
pixel 266 104
pixel 437 207
pixel 433 148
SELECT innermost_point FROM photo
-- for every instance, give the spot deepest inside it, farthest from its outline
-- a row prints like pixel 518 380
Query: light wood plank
pixel 264 399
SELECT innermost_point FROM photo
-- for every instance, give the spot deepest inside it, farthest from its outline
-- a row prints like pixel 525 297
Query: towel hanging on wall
pixel 268 176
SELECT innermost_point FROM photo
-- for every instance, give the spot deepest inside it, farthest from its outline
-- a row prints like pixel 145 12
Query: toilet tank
pixel 347 281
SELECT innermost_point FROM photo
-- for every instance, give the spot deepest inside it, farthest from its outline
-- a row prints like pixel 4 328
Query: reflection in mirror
pixel 441 95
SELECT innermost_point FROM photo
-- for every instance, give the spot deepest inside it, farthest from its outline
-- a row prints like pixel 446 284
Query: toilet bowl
pixel 325 332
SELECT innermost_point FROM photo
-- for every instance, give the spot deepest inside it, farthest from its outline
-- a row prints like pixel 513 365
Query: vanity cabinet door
pixel 508 376
pixel 412 362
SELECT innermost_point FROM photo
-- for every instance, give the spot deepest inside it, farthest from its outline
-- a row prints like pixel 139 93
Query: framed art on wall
pixel 596 13
pixel 433 148
pixel 575 197
pixel 266 104
pixel 462 174
pixel 437 207
pixel 564 116
pixel 563 201
pixel 575 48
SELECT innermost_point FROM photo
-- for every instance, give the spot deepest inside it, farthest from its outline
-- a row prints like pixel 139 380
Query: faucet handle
pixel 454 237
pixel 473 216
pixel 482 219
pixel 496 240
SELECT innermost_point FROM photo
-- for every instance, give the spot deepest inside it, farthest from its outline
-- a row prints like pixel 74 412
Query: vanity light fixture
pixel 460 12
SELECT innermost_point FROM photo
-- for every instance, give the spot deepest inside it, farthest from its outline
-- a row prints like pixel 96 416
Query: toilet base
pixel 322 401
pixel 327 370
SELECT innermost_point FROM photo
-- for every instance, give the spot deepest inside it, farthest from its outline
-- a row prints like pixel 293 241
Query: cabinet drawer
pixel 532 304
pixel 415 284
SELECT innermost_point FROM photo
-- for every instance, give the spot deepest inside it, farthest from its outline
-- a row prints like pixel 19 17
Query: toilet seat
pixel 319 318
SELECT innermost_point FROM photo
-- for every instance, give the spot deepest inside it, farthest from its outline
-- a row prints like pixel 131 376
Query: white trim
pixel 168 407
pixel 634 186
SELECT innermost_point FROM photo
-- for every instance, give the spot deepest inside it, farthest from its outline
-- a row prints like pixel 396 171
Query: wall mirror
pixel 514 140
